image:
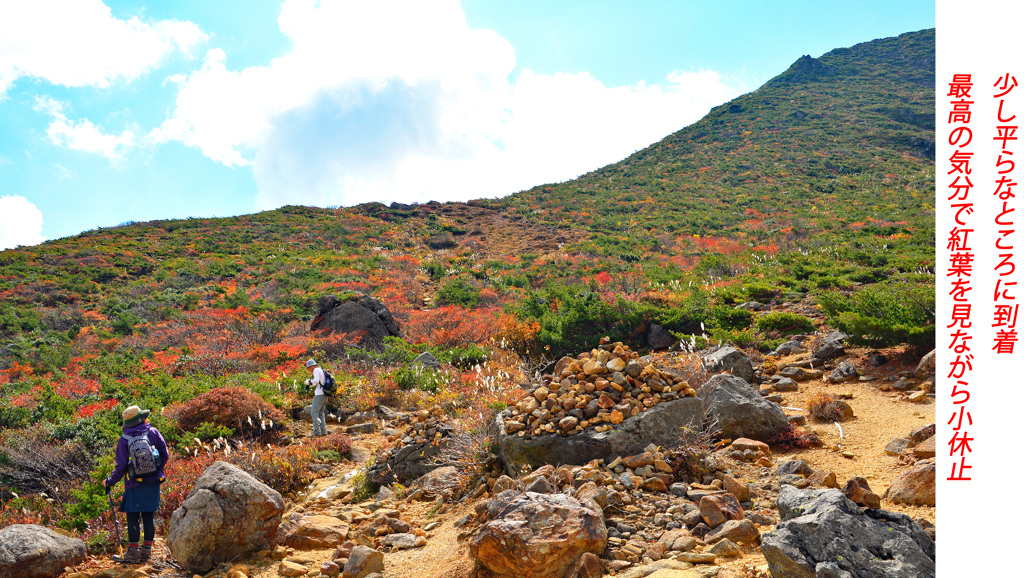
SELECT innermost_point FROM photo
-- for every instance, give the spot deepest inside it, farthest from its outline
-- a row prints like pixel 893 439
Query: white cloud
pixel 79 43
pixel 21 223
pixel 83 135
pixel 401 100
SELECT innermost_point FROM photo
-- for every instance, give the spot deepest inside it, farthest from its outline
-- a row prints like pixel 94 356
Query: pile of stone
pixel 649 516
pixel 384 527
pixel 413 451
pixel 596 390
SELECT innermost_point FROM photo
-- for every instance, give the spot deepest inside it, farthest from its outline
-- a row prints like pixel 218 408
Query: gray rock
pixel 387 413
pixel 359 417
pixel 785 384
pixel 400 541
pixel 739 411
pixel 753 306
pixel 793 372
pixel 227 516
pixel 788 348
pixel 660 425
pixel 366 317
pixel 831 346
pixel 845 371
pixel 903 385
pixel 877 360
pixel 31 551
pixel 728 358
pixel 427 359
pixel 823 533
pixel 678 489
pixel 798 467
pixel 361 428
pixel 658 337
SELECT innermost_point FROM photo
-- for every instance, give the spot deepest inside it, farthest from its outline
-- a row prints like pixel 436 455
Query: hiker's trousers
pixel 319 415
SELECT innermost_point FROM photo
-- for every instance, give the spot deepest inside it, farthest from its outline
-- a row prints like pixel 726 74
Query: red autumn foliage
pixel 452 325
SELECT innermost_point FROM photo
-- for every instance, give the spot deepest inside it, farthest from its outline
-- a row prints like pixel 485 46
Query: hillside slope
pixel 834 143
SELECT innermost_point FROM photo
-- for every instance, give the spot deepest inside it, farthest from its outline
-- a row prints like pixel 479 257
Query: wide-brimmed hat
pixel 310 363
pixel 134 416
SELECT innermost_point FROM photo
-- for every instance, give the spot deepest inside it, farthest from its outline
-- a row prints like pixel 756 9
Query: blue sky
pixel 132 111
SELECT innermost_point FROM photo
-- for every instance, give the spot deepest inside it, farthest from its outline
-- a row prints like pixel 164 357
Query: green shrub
pixel 467 356
pixel 738 337
pixel 435 270
pixel 520 281
pixel 362 488
pixel 458 292
pixel 730 318
pixel 784 322
pixel 329 456
pixel 418 377
pixel 209 431
pixel 761 291
pixel 398 351
pixel 90 501
pixel 885 314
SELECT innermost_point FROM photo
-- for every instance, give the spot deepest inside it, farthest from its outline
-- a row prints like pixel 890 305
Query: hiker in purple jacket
pixel 141 491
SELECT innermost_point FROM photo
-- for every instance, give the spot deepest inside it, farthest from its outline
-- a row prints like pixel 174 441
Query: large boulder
pixel 315 531
pixel 366 319
pixel 728 358
pixel 661 425
pixel 824 534
pixel 739 411
pixel 31 551
pixel 537 535
pixel 227 516
pixel 926 367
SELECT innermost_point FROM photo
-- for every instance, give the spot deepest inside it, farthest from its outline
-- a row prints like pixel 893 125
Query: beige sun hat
pixel 134 415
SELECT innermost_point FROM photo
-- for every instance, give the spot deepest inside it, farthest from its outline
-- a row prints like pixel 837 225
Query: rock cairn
pixel 598 389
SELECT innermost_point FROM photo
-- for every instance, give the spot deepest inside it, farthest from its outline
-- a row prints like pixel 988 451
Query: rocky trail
pixel 734 508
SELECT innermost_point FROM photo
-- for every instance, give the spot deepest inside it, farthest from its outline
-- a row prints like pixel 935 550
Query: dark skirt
pixel 142 498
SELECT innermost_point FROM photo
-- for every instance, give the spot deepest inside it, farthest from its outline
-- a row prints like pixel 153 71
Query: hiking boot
pixel 145 552
pixel 132 556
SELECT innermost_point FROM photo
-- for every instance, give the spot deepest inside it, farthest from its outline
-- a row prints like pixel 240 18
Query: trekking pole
pixel 117 533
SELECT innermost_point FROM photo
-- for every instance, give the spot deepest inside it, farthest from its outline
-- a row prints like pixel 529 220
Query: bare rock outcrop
pixel 228 515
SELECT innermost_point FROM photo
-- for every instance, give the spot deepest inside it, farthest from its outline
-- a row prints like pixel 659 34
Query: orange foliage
pixel 453 325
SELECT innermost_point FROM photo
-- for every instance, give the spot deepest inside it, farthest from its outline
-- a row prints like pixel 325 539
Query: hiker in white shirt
pixel 319 398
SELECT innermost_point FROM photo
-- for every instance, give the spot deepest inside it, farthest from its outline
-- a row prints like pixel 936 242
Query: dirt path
pixel 444 556
pixel 878 418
